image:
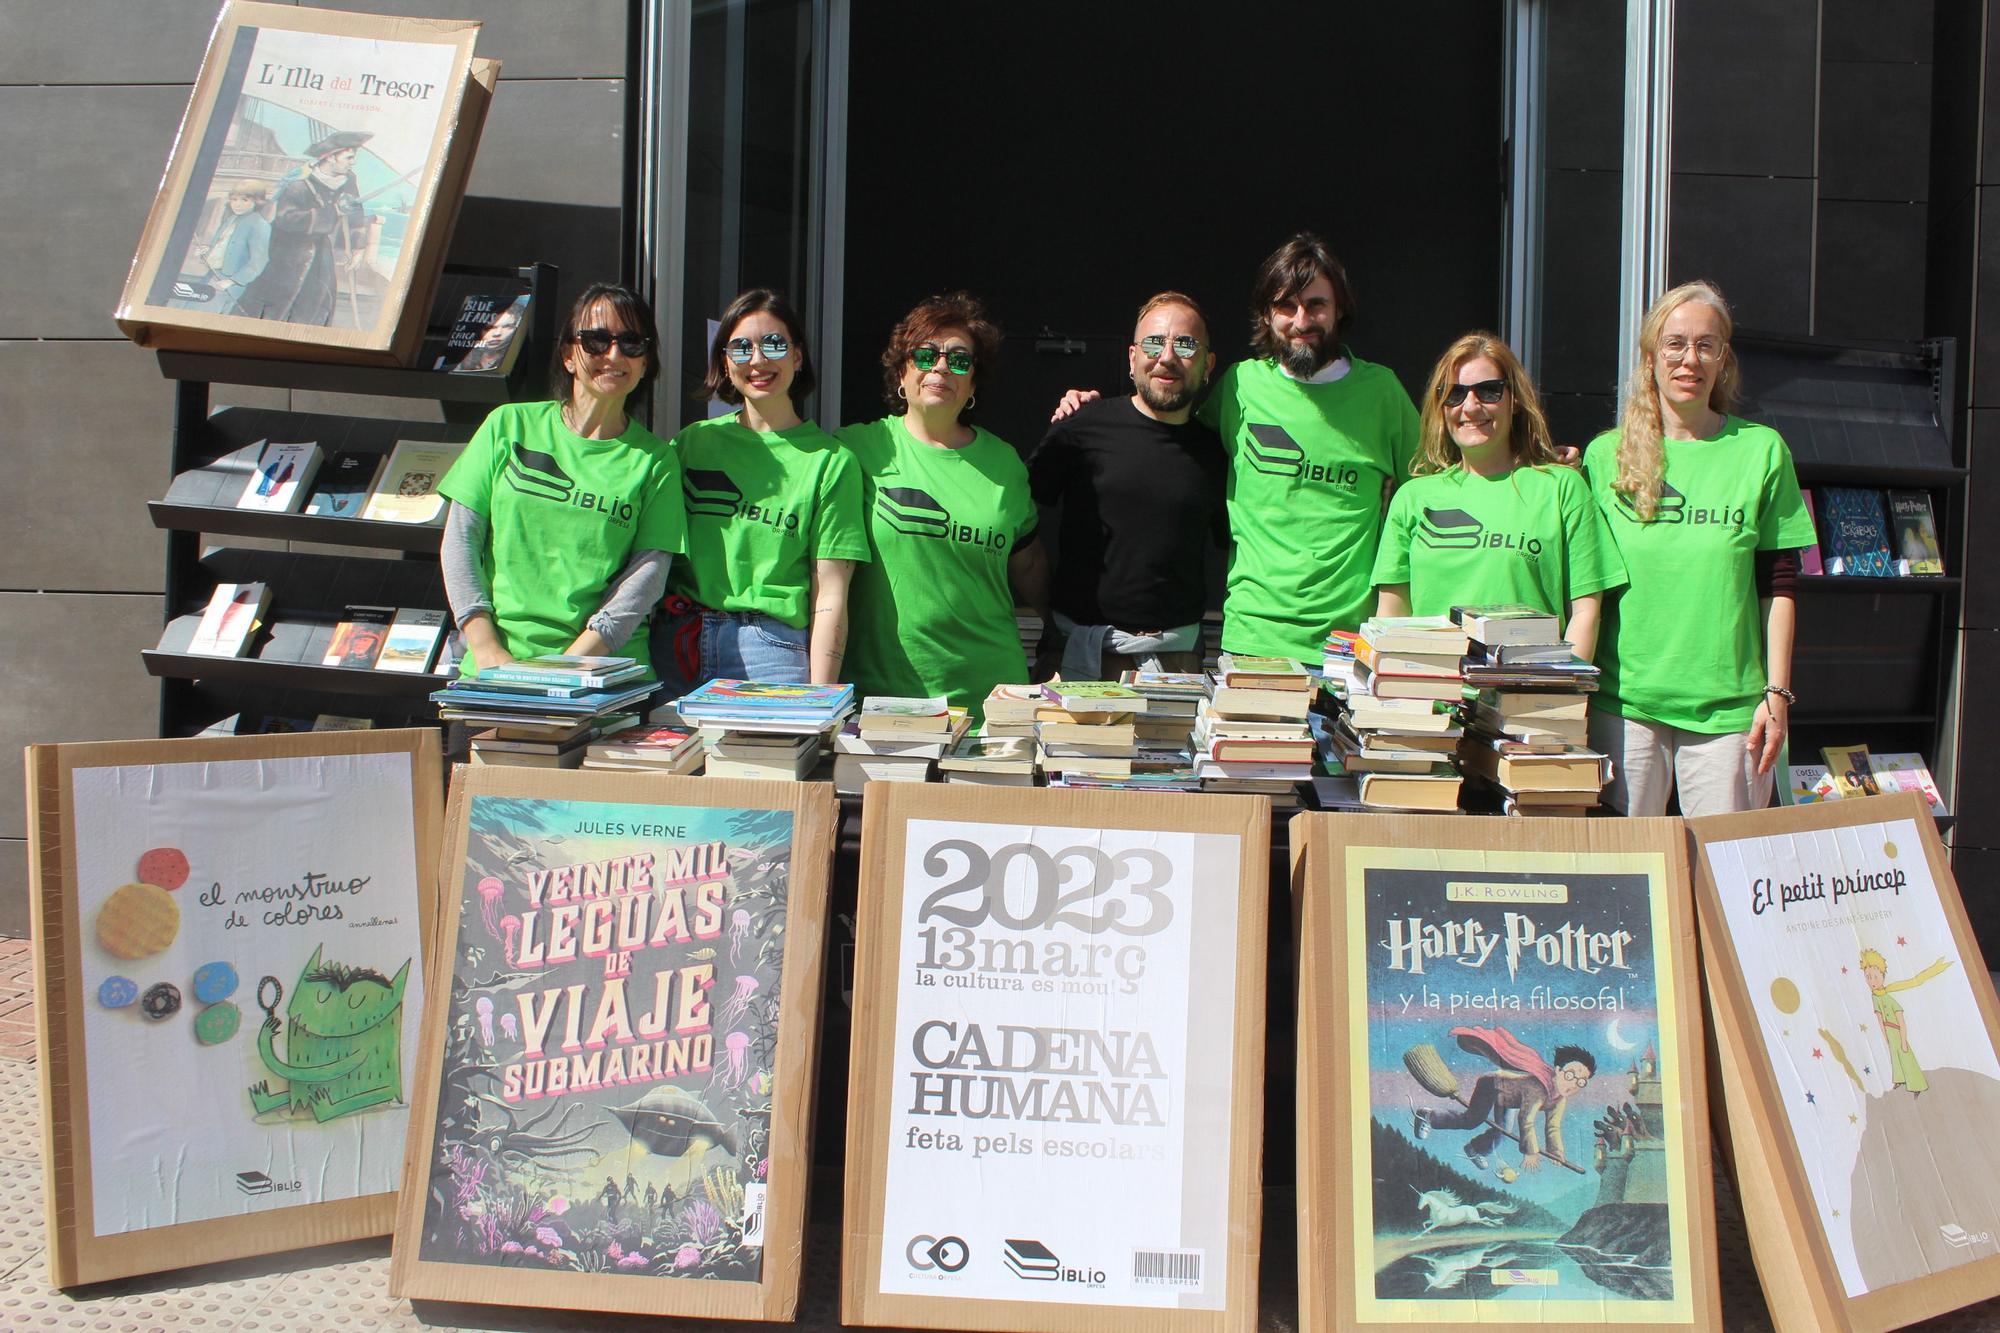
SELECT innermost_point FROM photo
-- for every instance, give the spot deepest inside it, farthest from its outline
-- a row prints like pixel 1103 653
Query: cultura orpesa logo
pixel 917 513
pixel 937 1254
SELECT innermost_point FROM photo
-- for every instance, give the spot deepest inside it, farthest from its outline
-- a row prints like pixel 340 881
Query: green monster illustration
pixel 344 1041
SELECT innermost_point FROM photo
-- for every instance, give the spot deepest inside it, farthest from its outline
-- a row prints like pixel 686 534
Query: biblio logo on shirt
pixel 1456 530
pixel 1273 452
pixel 1674 508
pixel 532 472
pixel 712 494
pixel 917 513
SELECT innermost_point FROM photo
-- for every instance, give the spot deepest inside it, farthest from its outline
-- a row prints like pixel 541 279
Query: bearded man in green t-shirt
pixel 1317 438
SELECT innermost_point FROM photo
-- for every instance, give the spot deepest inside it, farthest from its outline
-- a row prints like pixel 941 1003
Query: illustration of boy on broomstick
pixel 1535 1090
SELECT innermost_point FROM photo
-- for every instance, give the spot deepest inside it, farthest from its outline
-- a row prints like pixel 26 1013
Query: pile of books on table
pixel 992 761
pixel 763 729
pixel 1529 741
pixel 541 712
pixel 1337 660
pixel 895 739
pixel 1010 711
pixel 1087 729
pixel 1250 733
pixel 646 749
pixel 1395 732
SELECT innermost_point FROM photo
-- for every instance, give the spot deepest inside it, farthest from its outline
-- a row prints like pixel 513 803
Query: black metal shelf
pixel 291 675
pixel 1861 583
pixel 1880 477
pixel 417 538
pixel 1852 720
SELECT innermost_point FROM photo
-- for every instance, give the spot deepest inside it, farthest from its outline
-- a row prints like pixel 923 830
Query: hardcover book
pixel 1857 532
pixel 487 335
pixel 281 478
pixel 412 640
pixel 1502 1111
pixel 1916 533
pixel 344 483
pixel 407 491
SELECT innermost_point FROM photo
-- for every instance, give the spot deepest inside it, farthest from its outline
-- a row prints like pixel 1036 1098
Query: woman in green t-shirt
pixel 1706 511
pixel 773 513
pixel 950 520
pixel 1492 518
pixel 565 515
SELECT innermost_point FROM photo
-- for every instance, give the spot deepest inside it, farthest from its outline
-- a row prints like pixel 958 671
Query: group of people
pixel 892 554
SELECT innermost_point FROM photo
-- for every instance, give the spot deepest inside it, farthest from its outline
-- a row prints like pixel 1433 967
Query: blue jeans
pixel 727 645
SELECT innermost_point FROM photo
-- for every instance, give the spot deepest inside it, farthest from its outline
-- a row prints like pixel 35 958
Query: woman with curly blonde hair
pixel 1706 511
pixel 1492 518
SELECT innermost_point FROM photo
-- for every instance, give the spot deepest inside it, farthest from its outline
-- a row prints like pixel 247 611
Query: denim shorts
pixel 727 645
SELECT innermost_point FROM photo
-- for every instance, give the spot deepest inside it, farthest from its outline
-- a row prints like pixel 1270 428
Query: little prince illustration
pixel 1905 1071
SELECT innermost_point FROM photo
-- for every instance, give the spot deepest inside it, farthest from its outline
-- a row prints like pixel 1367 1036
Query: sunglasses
pixel 1488 392
pixel 1155 345
pixel 775 346
pixel 957 361
pixel 599 341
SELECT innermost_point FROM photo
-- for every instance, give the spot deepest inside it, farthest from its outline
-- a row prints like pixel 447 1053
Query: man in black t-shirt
pixel 1140 485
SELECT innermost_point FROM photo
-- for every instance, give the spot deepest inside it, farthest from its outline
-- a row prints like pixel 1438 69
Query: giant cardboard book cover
pixel 312 188
pixel 1859 1044
pixel 229 946
pixel 1056 1091
pixel 1501 1084
pixel 615 1108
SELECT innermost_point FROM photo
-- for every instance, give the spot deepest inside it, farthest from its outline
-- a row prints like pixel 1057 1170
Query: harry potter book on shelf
pixel 311 188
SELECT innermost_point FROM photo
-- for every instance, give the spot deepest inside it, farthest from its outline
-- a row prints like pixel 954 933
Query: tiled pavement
pixel 345 1287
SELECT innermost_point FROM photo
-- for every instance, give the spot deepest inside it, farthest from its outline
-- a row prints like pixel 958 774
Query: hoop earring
pixel 972 402
pixel 902 393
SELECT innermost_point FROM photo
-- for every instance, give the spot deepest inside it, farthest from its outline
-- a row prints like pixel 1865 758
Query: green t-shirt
pixel 566 515
pixel 1683 645
pixel 1532 538
pixel 761 507
pixel 934 613
pixel 1308 464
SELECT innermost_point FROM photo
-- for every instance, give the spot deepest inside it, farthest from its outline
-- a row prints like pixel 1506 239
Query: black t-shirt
pixel 1139 500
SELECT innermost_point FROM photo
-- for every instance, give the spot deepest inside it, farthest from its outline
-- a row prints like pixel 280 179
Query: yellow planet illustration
pixel 1889 850
pixel 1785 994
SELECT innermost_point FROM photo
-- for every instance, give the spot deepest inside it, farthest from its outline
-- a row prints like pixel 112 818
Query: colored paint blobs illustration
pixel 117 992
pixel 217 1023
pixel 161 1001
pixel 214 982
pixel 164 866
pixel 138 921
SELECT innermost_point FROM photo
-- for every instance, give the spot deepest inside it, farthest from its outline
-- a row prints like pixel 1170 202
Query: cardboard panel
pixel 616 1105
pixel 1859 1044
pixel 180 1128
pixel 1502 1102
pixel 1056 1091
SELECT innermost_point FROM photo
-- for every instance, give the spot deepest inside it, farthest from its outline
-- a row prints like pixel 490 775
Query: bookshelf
pixel 315 565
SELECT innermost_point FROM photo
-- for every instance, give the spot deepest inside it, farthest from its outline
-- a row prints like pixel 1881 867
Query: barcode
pixel 1167 1268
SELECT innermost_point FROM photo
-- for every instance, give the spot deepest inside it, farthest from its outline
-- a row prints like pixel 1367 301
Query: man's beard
pixel 1168 400
pixel 1305 359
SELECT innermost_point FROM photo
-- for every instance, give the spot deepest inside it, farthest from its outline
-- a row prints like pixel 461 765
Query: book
pixel 281 478
pixel 1437 666
pixel 1907 772
pixel 1852 774
pixel 1095 696
pixel 1261 673
pixel 487 336
pixel 1502 626
pixel 645 744
pixel 990 754
pixel 357 639
pixel 343 484
pixel 1567 770
pixel 230 620
pixel 1409 791
pixel 1916 548
pixel 335 722
pixel 412 641
pixel 407 489
pixel 1857 532
pixel 884 716
pixel 1413 634
pixel 1260 703
pixel 564 670
pixel 1809 784
pixel 1407 687
pixel 1809 557
pixel 1558 653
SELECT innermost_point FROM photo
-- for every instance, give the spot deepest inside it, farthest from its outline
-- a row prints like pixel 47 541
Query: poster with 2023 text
pixel 250 967
pixel 1060 1103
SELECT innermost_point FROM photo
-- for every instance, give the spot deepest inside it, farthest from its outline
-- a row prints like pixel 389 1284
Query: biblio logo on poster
pixel 1062 1059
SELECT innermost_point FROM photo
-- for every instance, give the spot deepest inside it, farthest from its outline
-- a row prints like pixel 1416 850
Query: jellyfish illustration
pixel 737 1005
pixel 484 1008
pixel 490 890
pixel 739 931
pixel 510 1027
pixel 510 926
pixel 735 1059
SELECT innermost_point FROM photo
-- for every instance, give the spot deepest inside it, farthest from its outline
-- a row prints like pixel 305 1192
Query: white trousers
pixel 1716 775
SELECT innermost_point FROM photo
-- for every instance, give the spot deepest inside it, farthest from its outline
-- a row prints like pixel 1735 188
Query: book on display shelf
pixel 230 621
pixel 1916 550
pixel 281 478
pixel 412 641
pixel 1809 784
pixel 1907 772
pixel 1857 532
pixel 357 639
pixel 407 489
pixel 487 335
pixel 1810 562
pixel 1852 774
pixel 344 483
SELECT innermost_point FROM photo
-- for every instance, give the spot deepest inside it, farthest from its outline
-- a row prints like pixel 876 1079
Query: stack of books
pixel 992 761
pixel 556 697
pixel 1530 736
pixel 1172 700
pixel 1087 729
pixel 763 729
pixel 1337 660
pixel 646 749
pixel 1397 729
pixel 1010 711
pixel 1250 732
pixel 895 739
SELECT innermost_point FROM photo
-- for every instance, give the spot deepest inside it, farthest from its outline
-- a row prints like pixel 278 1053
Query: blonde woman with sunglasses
pixel 1705 508
pixel 1492 518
